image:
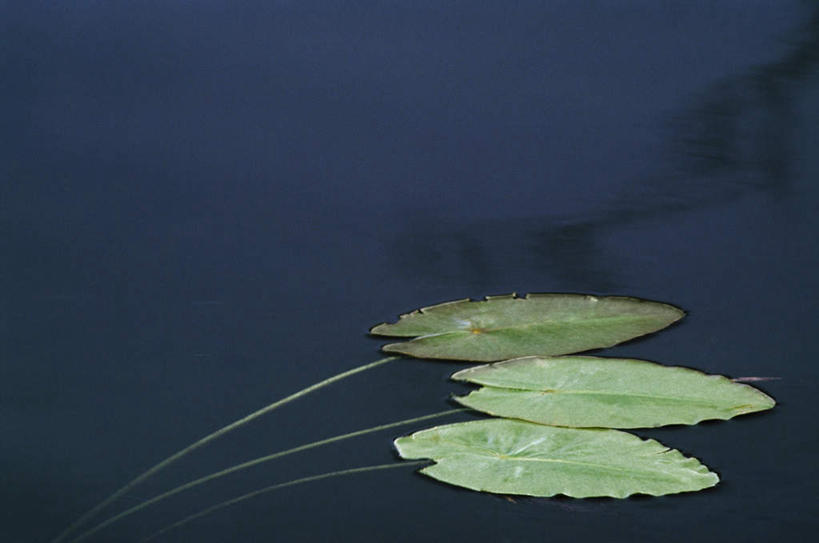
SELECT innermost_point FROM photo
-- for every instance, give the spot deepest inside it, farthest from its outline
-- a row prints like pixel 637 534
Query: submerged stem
pixel 210 437
pixel 255 493
pixel 251 463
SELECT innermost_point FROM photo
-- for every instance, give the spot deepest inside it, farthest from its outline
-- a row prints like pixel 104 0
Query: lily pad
pixel 586 391
pixel 516 457
pixel 502 327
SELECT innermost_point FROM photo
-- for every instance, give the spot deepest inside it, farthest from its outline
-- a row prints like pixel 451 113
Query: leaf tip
pixel 378 329
pixel 460 400
pixel 397 348
pixel 462 375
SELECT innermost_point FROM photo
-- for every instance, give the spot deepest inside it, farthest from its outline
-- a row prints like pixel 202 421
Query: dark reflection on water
pixel 732 139
pixel 737 136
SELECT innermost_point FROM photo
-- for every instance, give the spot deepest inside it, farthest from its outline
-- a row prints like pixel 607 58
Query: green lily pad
pixel 502 327
pixel 586 391
pixel 516 457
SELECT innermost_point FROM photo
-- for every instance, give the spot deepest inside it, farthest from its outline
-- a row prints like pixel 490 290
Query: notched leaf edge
pixel 375 330
pixel 699 467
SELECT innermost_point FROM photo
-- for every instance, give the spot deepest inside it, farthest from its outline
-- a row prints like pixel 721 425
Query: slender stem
pixel 251 463
pixel 210 437
pixel 255 493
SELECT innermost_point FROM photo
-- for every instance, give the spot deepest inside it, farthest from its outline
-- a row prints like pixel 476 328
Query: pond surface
pixel 204 207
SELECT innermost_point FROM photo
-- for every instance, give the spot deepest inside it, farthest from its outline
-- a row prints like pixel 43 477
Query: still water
pixel 204 207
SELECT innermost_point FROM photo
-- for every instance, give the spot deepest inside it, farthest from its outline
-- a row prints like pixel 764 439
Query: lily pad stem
pixel 255 493
pixel 211 437
pixel 250 463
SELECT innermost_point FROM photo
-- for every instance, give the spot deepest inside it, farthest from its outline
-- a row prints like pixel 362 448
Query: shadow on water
pixel 733 139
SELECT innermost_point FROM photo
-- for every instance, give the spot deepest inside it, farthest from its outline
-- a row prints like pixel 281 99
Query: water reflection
pixel 732 139
pixel 745 124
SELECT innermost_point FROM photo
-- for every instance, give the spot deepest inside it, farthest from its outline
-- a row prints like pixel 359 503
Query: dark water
pixel 205 205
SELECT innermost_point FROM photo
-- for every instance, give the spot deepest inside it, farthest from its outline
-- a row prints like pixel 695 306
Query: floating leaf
pixel 587 391
pixel 504 327
pixel 515 457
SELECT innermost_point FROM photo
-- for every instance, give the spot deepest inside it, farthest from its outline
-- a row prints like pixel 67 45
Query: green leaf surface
pixel 516 457
pixel 586 391
pixel 502 327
